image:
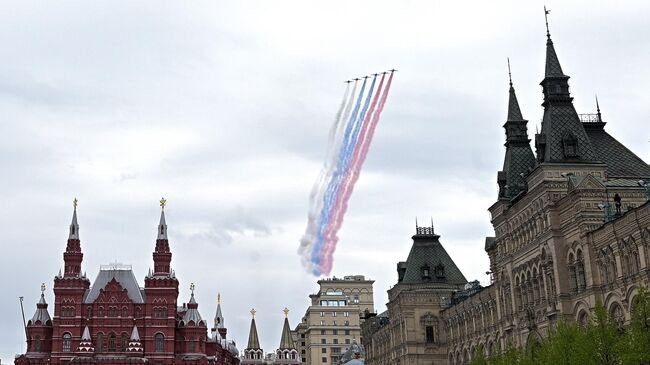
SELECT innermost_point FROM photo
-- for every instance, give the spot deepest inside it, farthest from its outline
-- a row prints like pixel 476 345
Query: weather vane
pixel 192 288
pixel 163 202
pixel 253 311
pixel 286 312
pixel 218 298
pixel 546 12
pixel 509 73
pixel 42 288
pixel 74 203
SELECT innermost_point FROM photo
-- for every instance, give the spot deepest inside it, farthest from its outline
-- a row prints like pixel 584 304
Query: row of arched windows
pixel 114 344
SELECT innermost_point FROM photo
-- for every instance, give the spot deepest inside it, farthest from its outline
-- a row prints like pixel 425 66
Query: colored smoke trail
pixel 315 197
pixel 352 175
pixel 329 197
pixel 349 139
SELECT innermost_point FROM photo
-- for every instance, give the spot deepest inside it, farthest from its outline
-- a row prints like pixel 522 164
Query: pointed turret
pixel 73 255
pixel 41 316
pixel 192 315
pixel 86 343
pixel 135 345
pixel 162 256
pixel 253 339
pixel 563 137
pixel 219 330
pixel 286 340
pixel 519 158
pixel 286 354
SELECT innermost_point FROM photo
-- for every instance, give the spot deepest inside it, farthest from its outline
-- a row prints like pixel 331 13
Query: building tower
pixel 287 354
pixel 219 329
pixel 161 292
pixel 39 329
pixel 519 158
pixel 192 330
pixel 253 354
pixel 69 290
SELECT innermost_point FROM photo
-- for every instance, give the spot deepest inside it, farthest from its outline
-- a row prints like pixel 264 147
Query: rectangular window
pixel 347 332
pixel 322 332
pixel 322 314
pixel 335 332
pixel 333 314
pixel 333 323
pixel 347 341
pixel 323 359
pixel 336 341
pixel 323 350
pixel 322 323
pixel 323 341
pixel 429 334
pixel 346 314
pixel 347 323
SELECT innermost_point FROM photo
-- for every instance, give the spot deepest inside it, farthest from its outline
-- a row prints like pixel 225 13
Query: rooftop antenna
pixel 546 12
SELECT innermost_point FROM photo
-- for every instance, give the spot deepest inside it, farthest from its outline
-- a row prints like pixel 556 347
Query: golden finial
pixel 286 312
pixel 74 203
pixel 42 288
pixel 253 311
pixel 218 298
pixel 163 202
pixel 192 288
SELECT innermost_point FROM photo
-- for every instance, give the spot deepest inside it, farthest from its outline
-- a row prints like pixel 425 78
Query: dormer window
pixel 440 271
pixel 426 273
pixel 570 146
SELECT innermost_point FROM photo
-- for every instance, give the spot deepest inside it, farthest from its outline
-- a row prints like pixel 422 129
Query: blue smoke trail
pixel 327 197
pixel 351 137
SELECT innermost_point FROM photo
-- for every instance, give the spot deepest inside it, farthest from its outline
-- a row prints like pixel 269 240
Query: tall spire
pixel 253 339
pixel 74 226
pixel 553 68
pixel 519 156
pixel 162 226
pixel 563 137
pixel 514 113
pixel 286 341
pixel 73 256
pixel 218 318
pixel 162 256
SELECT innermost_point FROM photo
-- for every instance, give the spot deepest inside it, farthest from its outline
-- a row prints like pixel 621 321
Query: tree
pixel 635 347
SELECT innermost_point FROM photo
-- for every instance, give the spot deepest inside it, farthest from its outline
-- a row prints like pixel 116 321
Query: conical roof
pixel 514 112
pixel 135 335
pixel 286 341
pixel 192 314
pixel 553 68
pixel 74 226
pixel 253 339
pixel 162 227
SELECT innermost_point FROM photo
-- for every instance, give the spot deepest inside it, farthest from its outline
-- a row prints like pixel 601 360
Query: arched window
pixel 67 342
pixel 160 342
pixel 191 348
pixel 125 342
pixel 616 313
pixel 99 346
pixel 112 339
pixel 580 272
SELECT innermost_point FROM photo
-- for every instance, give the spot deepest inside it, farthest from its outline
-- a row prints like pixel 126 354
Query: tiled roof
pixel 553 68
pixel 253 339
pixel 561 119
pixel 125 277
pixel 428 251
pixel 621 162
pixel 286 341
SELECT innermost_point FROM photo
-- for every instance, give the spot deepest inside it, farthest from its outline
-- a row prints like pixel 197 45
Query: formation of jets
pixel 366 77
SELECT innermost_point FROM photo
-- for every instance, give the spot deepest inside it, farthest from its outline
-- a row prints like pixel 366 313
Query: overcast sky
pixel 224 109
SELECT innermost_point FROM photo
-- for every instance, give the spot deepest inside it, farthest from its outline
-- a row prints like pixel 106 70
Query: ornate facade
pixel 115 321
pixel 572 229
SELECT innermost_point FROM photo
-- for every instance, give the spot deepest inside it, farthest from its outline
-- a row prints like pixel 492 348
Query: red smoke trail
pixel 359 157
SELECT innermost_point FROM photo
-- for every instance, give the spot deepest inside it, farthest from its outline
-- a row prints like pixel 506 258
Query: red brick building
pixel 115 321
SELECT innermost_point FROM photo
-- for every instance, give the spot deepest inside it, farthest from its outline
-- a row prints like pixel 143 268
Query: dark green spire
pixel 286 341
pixel 253 339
